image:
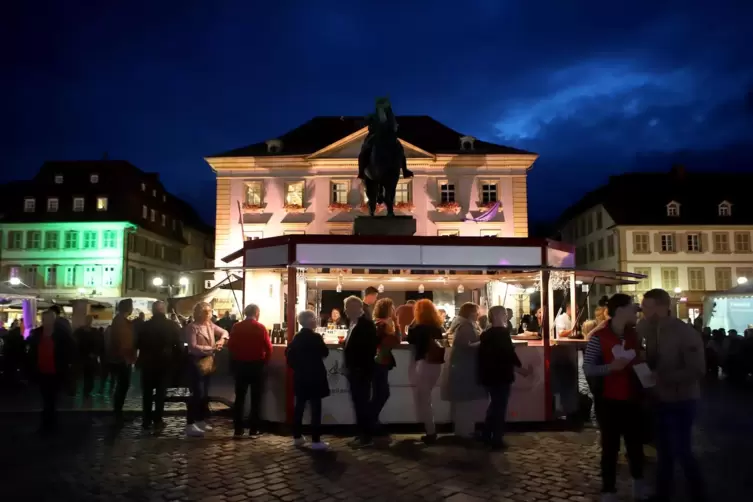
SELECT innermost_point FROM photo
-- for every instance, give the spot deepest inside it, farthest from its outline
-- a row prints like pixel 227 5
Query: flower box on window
pixel 485 206
pixel 448 207
pixel 294 208
pixel 253 208
pixel 339 207
pixel 406 207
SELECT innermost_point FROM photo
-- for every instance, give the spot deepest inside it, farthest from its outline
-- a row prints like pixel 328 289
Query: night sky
pixel 594 89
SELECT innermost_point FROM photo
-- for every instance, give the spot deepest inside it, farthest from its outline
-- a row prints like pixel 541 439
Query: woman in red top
pixel 50 358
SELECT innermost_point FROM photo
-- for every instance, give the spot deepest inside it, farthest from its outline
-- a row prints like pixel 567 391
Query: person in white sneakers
pixel 305 356
pixel 204 338
pixel 610 355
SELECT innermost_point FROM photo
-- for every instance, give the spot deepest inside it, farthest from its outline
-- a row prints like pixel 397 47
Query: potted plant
pixel 365 207
pixel 448 207
pixel 404 206
pixel 339 207
pixel 485 206
pixel 253 208
pixel 294 208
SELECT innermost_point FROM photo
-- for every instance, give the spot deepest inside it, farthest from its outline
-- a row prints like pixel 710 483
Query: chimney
pixel 678 171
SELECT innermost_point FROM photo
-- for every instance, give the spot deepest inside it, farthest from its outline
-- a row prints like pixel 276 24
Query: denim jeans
pixel 197 408
pixel 249 375
pixel 674 444
pixel 496 412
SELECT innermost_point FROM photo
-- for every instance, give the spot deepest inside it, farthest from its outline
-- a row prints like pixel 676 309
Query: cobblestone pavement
pixel 93 461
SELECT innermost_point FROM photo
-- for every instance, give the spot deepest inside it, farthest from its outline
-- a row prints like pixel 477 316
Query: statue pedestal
pixel 393 226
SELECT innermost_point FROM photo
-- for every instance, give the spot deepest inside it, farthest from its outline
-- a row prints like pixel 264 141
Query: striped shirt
pixel 593 359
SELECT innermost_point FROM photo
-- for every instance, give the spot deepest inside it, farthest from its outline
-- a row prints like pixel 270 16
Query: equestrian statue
pixel 382 158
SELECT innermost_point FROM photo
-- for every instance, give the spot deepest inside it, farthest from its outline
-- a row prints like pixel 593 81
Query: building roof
pixel 418 130
pixel 642 198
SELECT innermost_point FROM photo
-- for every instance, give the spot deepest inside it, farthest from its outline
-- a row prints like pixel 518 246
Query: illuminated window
pixel 109 239
pixel 693 243
pixel 696 279
pixel 164 220
pixel 71 239
pixel 94 178
pixel 673 209
pixel 669 279
pixel 154 192
pixel 51 278
pixel 101 203
pixel 143 187
pixel 108 276
pixel 721 242
pixel 667 243
pixel 723 278
pixel 725 209
pixel 58 179
pixel 489 192
pixel 404 192
pixel 641 243
pixel 33 240
pixel 338 192
pixel 90 239
pixel 254 195
pixel 52 205
pixel 30 204
pixel 78 204
pixel 294 193
pixel 645 283
pixel 31 276
pixel 51 239
pixel 90 276
pixel 742 242
pixel 15 239
pixel 446 192
pixel 152 215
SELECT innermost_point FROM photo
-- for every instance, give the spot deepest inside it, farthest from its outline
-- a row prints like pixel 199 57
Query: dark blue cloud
pixel 595 88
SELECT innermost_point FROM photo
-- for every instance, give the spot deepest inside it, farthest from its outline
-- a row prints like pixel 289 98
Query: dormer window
pixel 725 209
pixel 673 209
pixel 58 179
pixel 466 143
pixel 274 146
pixel 94 179
pixel 143 187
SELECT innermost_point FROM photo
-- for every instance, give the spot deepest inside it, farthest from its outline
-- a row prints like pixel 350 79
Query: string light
pixel 381 288
pixel 421 289
pixel 461 289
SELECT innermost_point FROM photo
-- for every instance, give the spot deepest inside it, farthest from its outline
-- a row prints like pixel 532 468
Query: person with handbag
pixel 250 351
pixel 387 339
pixel 204 339
pixel 608 362
pixel 427 338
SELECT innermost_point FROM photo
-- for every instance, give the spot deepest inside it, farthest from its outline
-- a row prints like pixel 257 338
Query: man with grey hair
pixel 250 350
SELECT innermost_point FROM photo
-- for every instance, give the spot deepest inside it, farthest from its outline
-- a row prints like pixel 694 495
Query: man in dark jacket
pixel 305 356
pixel 158 345
pixel 358 357
pixel 51 353
pixel 87 339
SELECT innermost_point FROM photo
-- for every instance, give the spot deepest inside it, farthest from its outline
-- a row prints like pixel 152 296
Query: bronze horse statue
pixel 382 159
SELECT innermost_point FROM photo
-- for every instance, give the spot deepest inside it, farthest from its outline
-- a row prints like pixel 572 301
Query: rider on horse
pixel 383 114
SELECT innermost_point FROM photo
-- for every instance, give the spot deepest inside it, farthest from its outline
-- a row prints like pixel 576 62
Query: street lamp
pixel 678 290
pixel 183 281
pixel 742 280
pixel 157 281
pixel 14 281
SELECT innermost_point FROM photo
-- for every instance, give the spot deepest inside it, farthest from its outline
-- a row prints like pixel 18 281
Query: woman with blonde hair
pixel 462 388
pixel 426 337
pixel 387 339
pixel 204 339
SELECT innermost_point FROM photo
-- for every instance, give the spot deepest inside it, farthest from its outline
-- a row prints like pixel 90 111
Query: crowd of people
pixel 643 365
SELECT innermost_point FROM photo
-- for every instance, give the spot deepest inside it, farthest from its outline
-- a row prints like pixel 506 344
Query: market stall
pixel 731 309
pixel 284 275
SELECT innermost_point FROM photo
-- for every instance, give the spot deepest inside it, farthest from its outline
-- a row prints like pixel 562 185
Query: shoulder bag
pixel 207 365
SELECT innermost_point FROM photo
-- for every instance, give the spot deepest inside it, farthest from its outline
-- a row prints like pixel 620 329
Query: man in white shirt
pixel 563 324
